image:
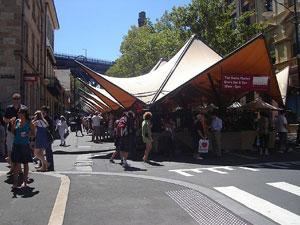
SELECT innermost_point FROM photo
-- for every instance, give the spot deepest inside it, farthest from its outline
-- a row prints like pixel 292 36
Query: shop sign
pixel 244 82
pixel 30 78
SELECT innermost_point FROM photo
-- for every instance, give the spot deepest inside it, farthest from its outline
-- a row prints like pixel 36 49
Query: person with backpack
pixel 122 133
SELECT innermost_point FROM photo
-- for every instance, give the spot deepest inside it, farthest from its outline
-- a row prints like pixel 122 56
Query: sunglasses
pixel 16 98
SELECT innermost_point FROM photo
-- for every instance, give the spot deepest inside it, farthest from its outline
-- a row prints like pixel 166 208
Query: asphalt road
pixel 239 188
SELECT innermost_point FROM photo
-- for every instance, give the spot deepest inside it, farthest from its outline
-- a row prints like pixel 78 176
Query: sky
pixel 96 27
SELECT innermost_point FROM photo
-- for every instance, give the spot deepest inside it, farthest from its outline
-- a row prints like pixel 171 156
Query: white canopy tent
pixel 283 82
pixel 193 58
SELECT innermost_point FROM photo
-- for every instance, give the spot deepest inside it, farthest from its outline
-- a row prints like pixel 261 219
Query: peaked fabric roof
pixel 250 59
pixel 104 96
pixel 96 100
pixel 283 82
pixel 92 103
pixel 192 76
pixel 146 88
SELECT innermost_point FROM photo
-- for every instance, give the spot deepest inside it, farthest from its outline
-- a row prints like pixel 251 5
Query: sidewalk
pixel 80 145
pixel 31 205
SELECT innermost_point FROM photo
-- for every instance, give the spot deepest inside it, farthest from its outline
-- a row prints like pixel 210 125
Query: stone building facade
pixel 26 52
pixel 281 40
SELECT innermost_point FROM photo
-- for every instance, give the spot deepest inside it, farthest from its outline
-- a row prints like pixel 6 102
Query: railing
pixel 81 57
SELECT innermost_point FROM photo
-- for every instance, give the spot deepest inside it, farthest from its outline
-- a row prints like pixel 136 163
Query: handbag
pixel 203 146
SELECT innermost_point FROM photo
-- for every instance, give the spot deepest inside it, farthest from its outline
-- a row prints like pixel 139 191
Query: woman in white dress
pixel 62 127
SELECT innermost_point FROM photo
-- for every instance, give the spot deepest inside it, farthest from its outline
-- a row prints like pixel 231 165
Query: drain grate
pixel 204 210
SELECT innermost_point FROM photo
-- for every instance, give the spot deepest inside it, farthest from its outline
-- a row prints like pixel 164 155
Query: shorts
pixel 9 140
pixel 124 144
pixel 21 153
pixel 96 130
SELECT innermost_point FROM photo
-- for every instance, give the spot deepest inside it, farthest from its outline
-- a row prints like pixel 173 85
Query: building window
pixel 295 53
pixel 25 40
pixel 291 2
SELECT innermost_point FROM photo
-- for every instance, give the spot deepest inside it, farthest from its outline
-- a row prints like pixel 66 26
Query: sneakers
pixel 125 164
pixel 280 151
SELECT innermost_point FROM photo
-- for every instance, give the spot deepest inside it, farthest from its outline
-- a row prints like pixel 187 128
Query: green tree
pixel 210 20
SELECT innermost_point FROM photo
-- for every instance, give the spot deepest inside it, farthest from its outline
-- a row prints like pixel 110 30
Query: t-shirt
pixel 280 122
pixel 11 112
pixel 198 126
pixel 263 125
pixel 96 121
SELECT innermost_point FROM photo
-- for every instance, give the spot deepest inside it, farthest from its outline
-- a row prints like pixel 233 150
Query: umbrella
pixel 259 105
pixel 235 105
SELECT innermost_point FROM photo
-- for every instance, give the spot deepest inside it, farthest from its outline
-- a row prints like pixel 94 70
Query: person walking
pixel 131 127
pixel 215 128
pixel 199 132
pixel 49 152
pixel 79 125
pixel 263 129
pixel 116 143
pixel 168 134
pixel 147 134
pixel 122 132
pixel 10 115
pixel 96 119
pixel 282 129
pixel 23 129
pixel 41 139
pixel 62 127
pixel 111 127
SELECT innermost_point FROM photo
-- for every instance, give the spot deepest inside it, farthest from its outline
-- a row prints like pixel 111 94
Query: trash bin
pixel 73 126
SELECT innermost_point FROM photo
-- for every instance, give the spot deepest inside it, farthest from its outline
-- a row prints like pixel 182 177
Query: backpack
pixel 122 127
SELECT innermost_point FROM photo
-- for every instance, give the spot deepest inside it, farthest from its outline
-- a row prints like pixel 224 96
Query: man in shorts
pixel 96 119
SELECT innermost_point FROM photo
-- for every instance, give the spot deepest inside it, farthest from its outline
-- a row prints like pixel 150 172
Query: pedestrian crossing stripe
pixel 224 169
pixel 268 209
pixel 287 187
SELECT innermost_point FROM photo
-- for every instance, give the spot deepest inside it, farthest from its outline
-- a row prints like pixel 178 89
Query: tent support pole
pixel 214 89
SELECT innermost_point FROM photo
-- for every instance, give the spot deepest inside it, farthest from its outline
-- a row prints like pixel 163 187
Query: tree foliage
pixel 210 20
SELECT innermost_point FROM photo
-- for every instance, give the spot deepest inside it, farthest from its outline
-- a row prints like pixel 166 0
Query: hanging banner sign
pixel 30 78
pixel 243 82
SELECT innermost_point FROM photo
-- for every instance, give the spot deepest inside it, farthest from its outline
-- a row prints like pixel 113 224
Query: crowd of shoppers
pixel 20 133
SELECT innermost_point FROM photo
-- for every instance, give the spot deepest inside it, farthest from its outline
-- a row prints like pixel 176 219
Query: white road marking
pixel 274 212
pixel 286 187
pixel 275 165
pixel 248 168
pixel 59 208
pixel 84 163
pixel 200 170
pixel 182 172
